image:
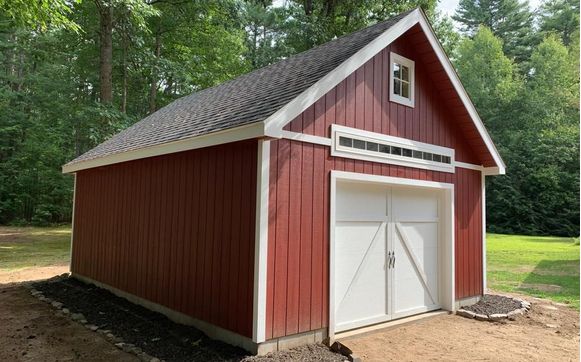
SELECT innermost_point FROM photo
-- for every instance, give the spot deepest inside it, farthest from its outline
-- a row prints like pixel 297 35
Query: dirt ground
pixel 31 331
pixel 549 332
pixel 30 274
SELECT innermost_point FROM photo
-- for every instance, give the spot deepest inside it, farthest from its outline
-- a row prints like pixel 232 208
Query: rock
pixel 551 325
pixel 549 307
pixel 110 335
pixel 65 311
pixel 92 327
pixel 514 314
pixel 497 317
pixel 42 298
pixel 77 316
pixel 465 313
pixel 154 360
pixel 481 317
pixel 119 345
pixel 83 321
pixel 57 304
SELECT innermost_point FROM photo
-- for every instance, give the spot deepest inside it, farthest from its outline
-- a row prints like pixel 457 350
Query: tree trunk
pixel 308 7
pixel 154 78
pixel 106 52
pixel 125 75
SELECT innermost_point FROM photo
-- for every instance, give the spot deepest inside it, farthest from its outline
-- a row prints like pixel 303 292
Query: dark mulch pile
pixel 494 304
pixel 311 352
pixel 152 332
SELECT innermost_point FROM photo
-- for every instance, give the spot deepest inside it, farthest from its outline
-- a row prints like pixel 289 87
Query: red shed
pixel 338 188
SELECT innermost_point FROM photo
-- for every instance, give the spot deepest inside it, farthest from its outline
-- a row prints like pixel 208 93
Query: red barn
pixel 338 188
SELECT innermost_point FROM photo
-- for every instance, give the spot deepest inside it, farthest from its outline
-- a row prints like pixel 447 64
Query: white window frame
pixel 410 64
pixel 354 153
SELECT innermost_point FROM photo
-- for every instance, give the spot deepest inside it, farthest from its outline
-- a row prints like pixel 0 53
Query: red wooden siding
pixel 298 255
pixel 177 230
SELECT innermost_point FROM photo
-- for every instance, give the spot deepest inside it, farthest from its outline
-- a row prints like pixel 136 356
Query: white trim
pixel 349 152
pixel 301 137
pixel 253 130
pixel 410 64
pixel 275 123
pixel 451 72
pixel 261 242
pixel 483 185
pixel 469 166
pixel 73 223
pixel 446 301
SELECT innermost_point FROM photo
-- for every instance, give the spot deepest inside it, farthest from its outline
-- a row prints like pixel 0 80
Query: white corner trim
pixel 73 223
pixel 261 242
pixel 301 137
pixel 253 130
pixel 451 72
pixel 275 123
pixel 483 185
pixel 396 58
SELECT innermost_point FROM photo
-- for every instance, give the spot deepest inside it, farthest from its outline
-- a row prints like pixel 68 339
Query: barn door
pixel 361 286
pixel 414 243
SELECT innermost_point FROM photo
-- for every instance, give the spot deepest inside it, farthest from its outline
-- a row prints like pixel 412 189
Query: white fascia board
pixel 275 123
pixel 451 72
pixel 254 130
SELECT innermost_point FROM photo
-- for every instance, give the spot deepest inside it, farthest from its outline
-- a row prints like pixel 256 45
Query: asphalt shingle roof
pixel 250 98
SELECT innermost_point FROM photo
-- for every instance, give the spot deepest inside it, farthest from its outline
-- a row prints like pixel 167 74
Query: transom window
pixel 401 80
pixel 370 146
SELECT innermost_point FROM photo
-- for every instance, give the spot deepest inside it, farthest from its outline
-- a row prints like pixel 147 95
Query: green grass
pixel 544 267
pixel 25 247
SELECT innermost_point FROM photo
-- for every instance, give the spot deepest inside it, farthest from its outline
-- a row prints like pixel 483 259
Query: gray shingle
pixel 250 98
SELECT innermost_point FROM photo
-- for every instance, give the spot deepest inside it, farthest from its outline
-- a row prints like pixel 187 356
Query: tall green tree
pixel 560 17
pixel 509 20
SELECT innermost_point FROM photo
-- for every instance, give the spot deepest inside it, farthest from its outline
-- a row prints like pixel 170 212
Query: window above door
pixel 401 80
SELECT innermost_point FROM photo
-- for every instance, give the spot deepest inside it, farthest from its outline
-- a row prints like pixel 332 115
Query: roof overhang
pixel 273 126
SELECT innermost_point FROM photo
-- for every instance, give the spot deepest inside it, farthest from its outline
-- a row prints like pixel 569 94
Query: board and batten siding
pixel 298 239
pixel 177 230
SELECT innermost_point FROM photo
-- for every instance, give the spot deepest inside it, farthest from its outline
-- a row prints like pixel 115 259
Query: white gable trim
pixel 275 123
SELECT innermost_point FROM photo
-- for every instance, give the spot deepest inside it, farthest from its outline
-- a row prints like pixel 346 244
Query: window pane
pixel 418 154
pixel 396 150
pixel 372 146
pixel 406 152
pixel 359 144
pixel 384 148
pixel 396 87
pixel 405 73
pixel 344 141
pixel 427 156
pixel 446 159
pixel 437 158
pixel 396 71
pixel 405 89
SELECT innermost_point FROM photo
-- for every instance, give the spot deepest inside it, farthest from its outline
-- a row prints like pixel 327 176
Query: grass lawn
pixel 544 267
pixel 24 247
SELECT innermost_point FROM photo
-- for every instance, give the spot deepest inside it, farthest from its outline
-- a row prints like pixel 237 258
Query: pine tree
pixel 509 20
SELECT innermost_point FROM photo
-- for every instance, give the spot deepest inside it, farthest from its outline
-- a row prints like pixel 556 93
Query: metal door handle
pixel 393 256
pixel 388 259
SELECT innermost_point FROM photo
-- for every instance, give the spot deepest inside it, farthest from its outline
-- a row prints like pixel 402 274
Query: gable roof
pixel 259 103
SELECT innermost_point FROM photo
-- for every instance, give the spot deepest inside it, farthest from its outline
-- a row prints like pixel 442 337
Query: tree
pixel 560 17
pixel 509 20
pixel 39 14
pixel 489 76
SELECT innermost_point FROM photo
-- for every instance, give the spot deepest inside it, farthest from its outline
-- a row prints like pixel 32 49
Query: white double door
pixel 385 253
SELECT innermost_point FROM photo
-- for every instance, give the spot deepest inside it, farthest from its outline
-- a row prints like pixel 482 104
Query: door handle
pixel 388 259
pixel 393 256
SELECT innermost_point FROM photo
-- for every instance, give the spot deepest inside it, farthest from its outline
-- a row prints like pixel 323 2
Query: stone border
pixel 524 308
pixel 79 318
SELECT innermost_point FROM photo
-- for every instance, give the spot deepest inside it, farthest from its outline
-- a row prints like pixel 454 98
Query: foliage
pixel 523 79
pixel 545 267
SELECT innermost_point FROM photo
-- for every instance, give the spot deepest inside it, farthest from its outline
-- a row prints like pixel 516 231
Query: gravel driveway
pixel 549 332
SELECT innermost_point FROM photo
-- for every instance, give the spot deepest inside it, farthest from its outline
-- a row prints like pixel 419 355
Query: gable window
pixel 401 79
